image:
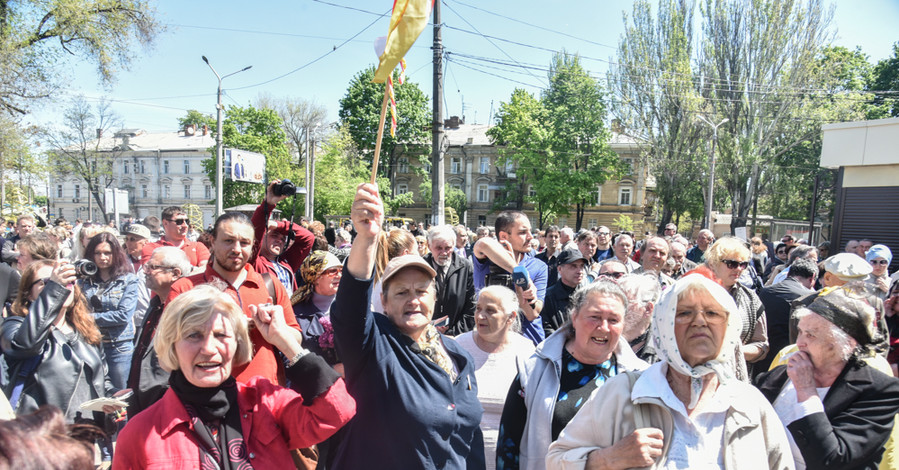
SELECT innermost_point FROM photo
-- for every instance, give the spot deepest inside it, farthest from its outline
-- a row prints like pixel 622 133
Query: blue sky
pixel 277 37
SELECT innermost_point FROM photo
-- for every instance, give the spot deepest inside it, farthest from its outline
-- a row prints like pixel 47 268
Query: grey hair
pixel 644 287
pixel 508 302
pixel 173 257
pixel 579 298
pixel 801 251
pixel 343 235
pixel 442 232
pixel 847 347
pixel 567 230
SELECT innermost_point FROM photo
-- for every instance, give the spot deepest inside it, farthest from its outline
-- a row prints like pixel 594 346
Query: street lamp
pixel 219 193
pixel 708 206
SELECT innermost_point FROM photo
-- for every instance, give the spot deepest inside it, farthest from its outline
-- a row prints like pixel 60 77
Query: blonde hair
pixel 758 246
pixel 193 309
pixel 726 248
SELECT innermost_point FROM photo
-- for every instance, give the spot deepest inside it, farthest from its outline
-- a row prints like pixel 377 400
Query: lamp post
pixel 708 206
pixel 219 191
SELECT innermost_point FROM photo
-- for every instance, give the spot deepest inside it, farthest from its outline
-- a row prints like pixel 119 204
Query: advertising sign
pixel 242 165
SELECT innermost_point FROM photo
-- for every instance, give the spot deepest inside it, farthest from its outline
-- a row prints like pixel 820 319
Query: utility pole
pixel 708 206
pixel 437 175
pixel 310 191
pixel 308 211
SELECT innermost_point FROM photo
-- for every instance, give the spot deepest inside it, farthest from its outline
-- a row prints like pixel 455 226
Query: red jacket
pixel 253 291
pixel 196 252
pixel 273 420
pixel 293 257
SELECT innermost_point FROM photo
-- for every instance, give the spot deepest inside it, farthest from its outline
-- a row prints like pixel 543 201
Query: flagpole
pixel 374 165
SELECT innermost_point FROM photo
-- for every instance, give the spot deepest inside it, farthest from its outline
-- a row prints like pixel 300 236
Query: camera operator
pixel 275 254
pixel 494 259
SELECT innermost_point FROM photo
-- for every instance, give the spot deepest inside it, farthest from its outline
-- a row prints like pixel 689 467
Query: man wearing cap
pixel 777 300
pixel 838 410
pixel 454 283
pixel 655 254
pixel 176 225
pixel 880 257
pixel 136 237
pixel 274 253
pixel 572 271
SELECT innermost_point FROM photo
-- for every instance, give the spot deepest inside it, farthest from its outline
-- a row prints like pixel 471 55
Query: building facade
pixel 157 169
pixel 471 166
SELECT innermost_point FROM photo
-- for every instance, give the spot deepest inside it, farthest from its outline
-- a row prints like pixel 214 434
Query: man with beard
pixel 454 281
pixel 176 225
pixel 231 272
pixel 274 254
pixel 550 255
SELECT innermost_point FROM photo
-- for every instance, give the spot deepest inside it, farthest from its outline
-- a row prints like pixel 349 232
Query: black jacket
pixel 455 294
pixel 552 273
pixel 9 285
pixel 859 410
pixel 555 307
pixel 64 363
pixel 147 379
pixel 777 299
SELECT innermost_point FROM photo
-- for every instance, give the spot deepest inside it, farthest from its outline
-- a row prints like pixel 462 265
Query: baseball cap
pixel 570 255
pixel 139 230
pixel 406 261
pixel 847 266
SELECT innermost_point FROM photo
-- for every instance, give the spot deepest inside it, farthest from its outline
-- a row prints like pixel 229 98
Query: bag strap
pixel 641 413
pixel 28 366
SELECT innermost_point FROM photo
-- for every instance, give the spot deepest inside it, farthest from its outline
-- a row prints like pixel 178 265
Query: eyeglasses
pixel 604 233
pixel 711 317
pixel 612 275
pixel 155 267
pixel 42 280
pixel 178 221
pixel 733 264
pixel 880 261
pixel 332 272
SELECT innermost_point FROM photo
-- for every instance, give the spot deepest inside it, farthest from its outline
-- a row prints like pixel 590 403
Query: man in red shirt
pixel 232 273
pixel 274 254
pixel 175 224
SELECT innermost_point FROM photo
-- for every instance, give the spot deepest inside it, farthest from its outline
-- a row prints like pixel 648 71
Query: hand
pixel 508 246
pixel 63 273
pixel 802 372
pixel 529 294
pixel 883 284
pixel 639 449
pixel 890 305
pixel 270 197
pixel 269 321
pixel 367 211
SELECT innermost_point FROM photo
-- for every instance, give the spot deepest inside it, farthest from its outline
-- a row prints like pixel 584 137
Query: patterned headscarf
pixel 312 268
pixel 725 364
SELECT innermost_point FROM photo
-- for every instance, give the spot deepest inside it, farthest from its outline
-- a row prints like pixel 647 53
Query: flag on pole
pixel 408 20
pixel 392 106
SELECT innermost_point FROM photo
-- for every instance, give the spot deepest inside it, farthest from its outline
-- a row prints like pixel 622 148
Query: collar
pixel 170 414
pixel 653 384
pixel 211 276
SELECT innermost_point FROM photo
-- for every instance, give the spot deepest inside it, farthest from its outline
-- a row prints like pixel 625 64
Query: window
pixel 510 169
pixel 485 165
pixel 628 166
pixel 598 200
pixel 77 191
pixel 144 192
pixel 186 191
pixel 483 194
pixel 125 167
pixel 456 186
pixel 402 188
pixel 165 166
pixel 143 167
pixel 427 166
pixel 403 165
pixel 167 191
pixel 532 192
pixel 455 165
pixel 207 192
pixel 186 166
pixel 593 222
pixel 482 220
pixel 624 196
pixel 58 190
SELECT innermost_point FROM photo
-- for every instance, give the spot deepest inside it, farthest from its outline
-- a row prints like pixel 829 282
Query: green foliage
pixel 197 118
pixel 885 77
pixel 624 223
pixel 456 199
pixel 337 173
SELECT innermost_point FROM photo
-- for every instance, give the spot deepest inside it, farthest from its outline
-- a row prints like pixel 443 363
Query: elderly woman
pixel 728 258
pixel 837 410
pixel 564 371
pixel 416 389
pixel 498 352
pixel 321 272
pixel 686 411
pixel 209 420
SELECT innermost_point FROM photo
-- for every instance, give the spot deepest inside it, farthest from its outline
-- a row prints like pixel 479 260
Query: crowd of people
pixel 262 343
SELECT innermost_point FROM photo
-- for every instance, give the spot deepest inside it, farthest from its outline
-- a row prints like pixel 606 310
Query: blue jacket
pixel 409 414
pixel 118 301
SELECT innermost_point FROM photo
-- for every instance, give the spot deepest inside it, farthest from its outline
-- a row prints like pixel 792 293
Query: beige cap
pixel 139 230
pixel 406 261
pixel 847 266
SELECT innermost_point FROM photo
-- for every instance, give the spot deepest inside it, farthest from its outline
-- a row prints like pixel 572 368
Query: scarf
pixel 311 269
pixel 215 418
pixel 724 365
pixel 433 349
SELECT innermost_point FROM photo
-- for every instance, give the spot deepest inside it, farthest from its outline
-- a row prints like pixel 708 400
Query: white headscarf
pixel 725 363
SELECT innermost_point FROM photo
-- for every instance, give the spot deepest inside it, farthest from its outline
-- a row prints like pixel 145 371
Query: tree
pixel 360 110
pixel 86 148
pixel 196 118
pixel 654 82
pixel 338 172
pixel 575 108
pixel 300 117
pixel 19 167
pixel 39 37
pixel 885 80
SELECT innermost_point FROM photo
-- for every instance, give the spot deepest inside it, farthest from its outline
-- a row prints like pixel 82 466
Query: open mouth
pixel 208 366
pixel 600 341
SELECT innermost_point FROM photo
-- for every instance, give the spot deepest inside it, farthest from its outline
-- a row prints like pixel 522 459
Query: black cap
pixel 570 255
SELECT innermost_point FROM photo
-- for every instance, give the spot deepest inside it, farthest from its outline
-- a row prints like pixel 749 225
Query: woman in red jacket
pixel 208 420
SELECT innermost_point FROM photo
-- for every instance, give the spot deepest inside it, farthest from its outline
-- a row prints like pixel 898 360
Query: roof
pixel 477 133
pixel 141 140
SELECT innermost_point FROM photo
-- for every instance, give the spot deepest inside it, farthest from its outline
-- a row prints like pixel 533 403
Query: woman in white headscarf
pixel 686 411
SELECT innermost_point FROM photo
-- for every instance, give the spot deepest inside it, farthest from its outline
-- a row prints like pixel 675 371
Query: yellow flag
pixel 408 20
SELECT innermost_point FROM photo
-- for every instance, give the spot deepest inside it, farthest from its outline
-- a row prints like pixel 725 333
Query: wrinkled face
pixel 879 266
pixel 205 353
pixel 442 251
pixel 700 324
pixel 326 284
pixel 552 242
pixel 729 275
pixel 492 322
pixel 670 230
pixel 704 240
pixel 176 228
pixel 232 245
pixel 564 238
pixel 103 256
pixel 272 244
pixel 597 327
pixel 587 247
pixel 603 237
pixel 816 339
pixel 655 254
pixel 409 301
pixel 134 245
pixel 159 277
pixel 518 235
pixel 571 274
pixel 678 254
pixel 624 246
pixel 24 227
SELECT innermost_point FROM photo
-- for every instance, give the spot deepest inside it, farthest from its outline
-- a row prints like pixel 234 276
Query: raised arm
pixel 368 215
pixel 499 252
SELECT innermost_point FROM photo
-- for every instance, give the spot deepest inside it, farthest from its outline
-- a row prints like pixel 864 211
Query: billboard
pixel 242 165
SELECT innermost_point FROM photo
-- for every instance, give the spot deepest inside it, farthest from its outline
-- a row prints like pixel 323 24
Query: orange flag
pixel 408 20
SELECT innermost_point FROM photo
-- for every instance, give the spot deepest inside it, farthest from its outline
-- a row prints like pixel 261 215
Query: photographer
pixel 275 254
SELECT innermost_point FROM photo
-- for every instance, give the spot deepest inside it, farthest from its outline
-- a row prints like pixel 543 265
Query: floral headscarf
pixel 726 363
pixel 312 268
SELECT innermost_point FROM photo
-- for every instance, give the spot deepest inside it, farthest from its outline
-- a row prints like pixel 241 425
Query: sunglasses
pixel 612 275
pixel 732 264
pixel 604 233
pixel 879 261
pixel 178 221
pixel 42 280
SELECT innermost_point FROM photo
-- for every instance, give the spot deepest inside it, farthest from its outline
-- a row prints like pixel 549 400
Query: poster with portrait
pixel 242 165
